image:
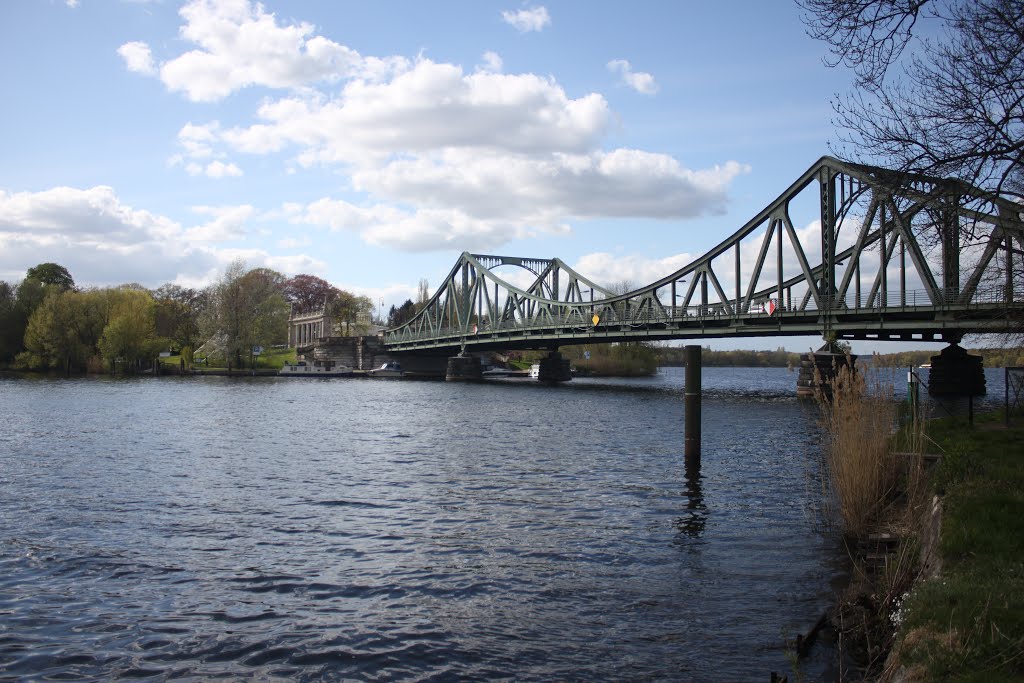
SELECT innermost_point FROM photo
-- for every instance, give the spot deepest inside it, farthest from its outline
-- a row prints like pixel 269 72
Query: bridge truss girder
pixel 903 273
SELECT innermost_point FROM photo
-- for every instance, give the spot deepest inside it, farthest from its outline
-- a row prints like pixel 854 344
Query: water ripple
pixel 256 529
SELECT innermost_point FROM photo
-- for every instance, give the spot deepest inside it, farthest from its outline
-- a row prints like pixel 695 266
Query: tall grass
pixel 860 417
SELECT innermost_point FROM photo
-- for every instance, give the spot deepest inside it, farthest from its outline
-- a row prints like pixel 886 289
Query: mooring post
pixel 692 408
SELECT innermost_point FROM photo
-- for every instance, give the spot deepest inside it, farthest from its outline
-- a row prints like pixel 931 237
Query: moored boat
pixel 389 369
pixel 315 369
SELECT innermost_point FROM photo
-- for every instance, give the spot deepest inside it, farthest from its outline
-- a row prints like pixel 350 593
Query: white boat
pixel 389 369
pixel 317 368
pixel 499 372
pixel 535 371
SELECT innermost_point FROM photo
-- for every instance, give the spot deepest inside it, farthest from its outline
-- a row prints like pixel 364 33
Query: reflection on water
pixel 344 529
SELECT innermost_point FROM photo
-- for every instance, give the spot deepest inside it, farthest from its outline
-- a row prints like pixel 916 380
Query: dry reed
pixel 862 476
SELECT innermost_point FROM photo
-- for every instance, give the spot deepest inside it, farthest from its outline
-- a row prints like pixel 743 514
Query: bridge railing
pixel 579 318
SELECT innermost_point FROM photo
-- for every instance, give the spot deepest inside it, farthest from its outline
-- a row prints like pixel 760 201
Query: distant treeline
pixel 992 358
pixel 780 358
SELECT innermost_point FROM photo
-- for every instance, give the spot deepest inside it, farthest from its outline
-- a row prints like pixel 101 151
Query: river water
pixel 342 529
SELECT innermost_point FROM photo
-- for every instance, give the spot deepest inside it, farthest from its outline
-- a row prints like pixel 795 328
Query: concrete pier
pixel 818 369
pixel 463 369
pixel 555 368
pixel 955 372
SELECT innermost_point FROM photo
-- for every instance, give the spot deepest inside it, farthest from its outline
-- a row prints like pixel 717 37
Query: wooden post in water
pixel 692 393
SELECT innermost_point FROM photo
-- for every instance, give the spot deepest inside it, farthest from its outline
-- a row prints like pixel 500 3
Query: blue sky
pixel 370 143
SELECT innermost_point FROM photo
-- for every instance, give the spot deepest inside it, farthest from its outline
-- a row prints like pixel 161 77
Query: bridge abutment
pixel 955 372
pixel 366 353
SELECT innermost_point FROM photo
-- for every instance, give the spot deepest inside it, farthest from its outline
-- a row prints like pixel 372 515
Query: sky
pixel 371 143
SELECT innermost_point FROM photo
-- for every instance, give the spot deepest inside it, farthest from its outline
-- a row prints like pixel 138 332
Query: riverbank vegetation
pixel 630 359
pixel 967 621
pixel 937 586
pixel 48 323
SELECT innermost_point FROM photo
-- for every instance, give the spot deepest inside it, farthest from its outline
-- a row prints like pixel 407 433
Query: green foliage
pixel 51 274
pixel 632 359
pixel 351 313
pixel 968 624
pixel 402 314
pixel 779 358
pixel 130 333
pixel 12 327
pixel 70 327
pixel 246 309
pixel 178 310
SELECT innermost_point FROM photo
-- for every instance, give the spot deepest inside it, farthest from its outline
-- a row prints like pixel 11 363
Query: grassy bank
pixel 272 359
pixel 937 587
pixel 967 622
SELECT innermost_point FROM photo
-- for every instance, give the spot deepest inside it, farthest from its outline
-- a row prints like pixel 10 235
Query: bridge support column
pixel 691 424
pixel 818 369
pixel 555 368
pixel 955 372
pixel 463 369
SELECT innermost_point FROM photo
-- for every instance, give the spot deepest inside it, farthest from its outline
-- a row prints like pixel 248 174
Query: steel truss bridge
pixel 883 256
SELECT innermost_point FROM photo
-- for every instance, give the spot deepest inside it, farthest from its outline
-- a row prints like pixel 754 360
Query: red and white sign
pixel 770 307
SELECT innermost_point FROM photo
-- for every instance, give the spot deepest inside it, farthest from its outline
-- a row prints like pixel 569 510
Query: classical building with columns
pixel 305 328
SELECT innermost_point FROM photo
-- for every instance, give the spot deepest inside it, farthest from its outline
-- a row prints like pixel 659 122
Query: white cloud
pixel 96 237
pixel 218 169
pixel 214 169
pixel 102 241
pixel 198 143
pixel 442 156
pixel 637 80
pixel 621 183
pixel 137 57
pixel 71 3
pixel 492 63
pixel 428 107
pixel 632 270
pixel 526 20
pixel 228 223
pixel 240 45
pixel 293 243
pixel 417 231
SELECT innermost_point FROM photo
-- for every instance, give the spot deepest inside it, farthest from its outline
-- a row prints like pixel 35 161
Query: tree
pixel 12 328
pixel 422 293
pixel 59 333
pixel 351 311
pixel 51 274
pixel 947 106
pixel 308 292
pixel 70 328
pixel 178 310
pixel 130 332
pixel 247 309
pixel 402 314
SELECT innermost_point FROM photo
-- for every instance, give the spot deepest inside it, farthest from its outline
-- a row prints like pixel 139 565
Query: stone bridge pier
pixel 367 353
pixel 955 372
